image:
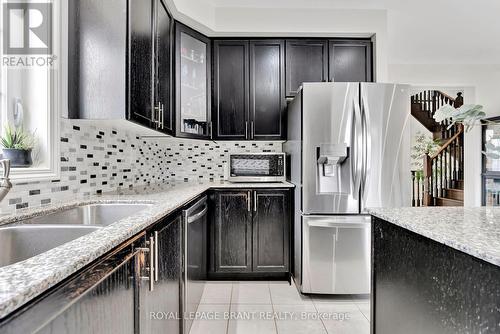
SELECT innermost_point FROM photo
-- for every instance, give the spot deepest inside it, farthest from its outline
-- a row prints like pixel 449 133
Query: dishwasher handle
pixel 195 217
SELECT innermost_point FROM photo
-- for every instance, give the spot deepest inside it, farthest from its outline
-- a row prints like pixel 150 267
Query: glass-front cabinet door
pixel 192 83
pixel 491 162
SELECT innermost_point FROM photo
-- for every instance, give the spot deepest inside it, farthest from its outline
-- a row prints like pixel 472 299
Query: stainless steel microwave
pixel 256 167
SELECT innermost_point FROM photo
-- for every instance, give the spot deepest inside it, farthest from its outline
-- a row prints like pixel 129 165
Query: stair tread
pixel 454 194
pixel 451 201
pixel 454 189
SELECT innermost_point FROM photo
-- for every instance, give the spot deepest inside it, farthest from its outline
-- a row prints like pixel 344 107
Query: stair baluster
pixel 443 172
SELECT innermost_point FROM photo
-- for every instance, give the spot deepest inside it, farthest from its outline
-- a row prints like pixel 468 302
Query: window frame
pixel 57 101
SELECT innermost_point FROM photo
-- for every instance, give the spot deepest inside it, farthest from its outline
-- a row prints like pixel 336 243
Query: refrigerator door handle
pixel 356 145
pixel 365 121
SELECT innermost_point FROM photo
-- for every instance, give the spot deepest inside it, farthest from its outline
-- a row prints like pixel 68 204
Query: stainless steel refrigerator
pixel 348 145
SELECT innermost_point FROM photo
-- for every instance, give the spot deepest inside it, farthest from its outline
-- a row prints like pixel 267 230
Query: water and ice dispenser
pixel 333 169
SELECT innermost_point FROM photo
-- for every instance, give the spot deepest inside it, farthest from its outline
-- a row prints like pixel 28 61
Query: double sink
pixel 37 235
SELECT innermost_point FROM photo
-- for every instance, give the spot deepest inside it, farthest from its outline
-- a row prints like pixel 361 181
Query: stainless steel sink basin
pixel 92 214
pixel 36 235
pixel 20 242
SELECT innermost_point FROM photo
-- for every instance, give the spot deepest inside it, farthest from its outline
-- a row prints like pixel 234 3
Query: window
pixel 33 74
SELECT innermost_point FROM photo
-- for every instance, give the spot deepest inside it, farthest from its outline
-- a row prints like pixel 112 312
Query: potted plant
pixel 17 145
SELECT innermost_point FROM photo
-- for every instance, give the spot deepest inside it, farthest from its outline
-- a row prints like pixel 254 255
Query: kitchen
pixel 185 180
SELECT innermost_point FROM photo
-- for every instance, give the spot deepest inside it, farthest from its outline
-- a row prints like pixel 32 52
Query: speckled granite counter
pixel 436 270
pixel 22 281
pixel 474 231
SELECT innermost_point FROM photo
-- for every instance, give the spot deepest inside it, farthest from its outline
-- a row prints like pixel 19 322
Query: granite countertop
pixel 22 281
pixel 474 231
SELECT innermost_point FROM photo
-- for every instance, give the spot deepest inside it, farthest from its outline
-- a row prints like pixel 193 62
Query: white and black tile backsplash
pixel 96 159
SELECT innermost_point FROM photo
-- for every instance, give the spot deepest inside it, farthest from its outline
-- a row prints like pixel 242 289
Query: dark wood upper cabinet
pixel 135 83
pixel 271 229
pixel 267 89
pixel 231 94
pixel 96 81
pixel 154 55
pixel 350 61
pixel 306 61
pixel 163 68
pixel 140 62
pixel 192 83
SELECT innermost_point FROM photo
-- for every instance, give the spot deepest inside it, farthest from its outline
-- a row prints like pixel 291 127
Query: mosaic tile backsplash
pixel 96 159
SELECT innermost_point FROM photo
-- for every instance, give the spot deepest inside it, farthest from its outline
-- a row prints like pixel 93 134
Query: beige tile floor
pixel 276 307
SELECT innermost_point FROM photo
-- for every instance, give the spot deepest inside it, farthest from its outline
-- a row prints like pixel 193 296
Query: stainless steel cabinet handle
pixel 151 263
pixel 156 256
pixel 246 130
pixel 255 201
pixel 162 116
pixel 252 134
pixel 248 201
pixel 150 249
pixel 156 118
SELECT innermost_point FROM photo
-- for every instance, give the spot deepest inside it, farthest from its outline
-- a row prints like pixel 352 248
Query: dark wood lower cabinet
pixel 232 231
pixel 250 232
pixel 137 287
pixel 106 307
pixel 115 295
pixel 101 299
pixel 271 229
pixel 164 298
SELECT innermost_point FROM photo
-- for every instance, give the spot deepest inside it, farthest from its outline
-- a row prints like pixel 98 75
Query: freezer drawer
pixel 336 254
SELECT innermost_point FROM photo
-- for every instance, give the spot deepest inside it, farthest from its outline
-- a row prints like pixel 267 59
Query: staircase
pixel 442 181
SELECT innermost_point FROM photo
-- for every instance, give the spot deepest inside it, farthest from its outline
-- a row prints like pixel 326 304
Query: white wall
pixel 308 22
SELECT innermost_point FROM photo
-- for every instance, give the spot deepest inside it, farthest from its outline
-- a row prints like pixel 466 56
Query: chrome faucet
pixel 5 184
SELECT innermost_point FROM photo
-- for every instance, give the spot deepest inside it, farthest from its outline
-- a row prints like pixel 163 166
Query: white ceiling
pixel 418 31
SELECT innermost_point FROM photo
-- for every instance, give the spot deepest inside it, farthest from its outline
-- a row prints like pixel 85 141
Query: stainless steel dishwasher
pixel 195 258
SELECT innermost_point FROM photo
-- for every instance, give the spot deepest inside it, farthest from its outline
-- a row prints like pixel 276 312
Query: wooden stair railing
pixel 443 173
pixel 425 104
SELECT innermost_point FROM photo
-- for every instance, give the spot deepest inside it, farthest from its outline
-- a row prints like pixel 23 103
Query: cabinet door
pixel 163 68
pixel 267 90
pixel 232 232
pixel 165 296
pixel 231 89
pixel 96 81
pixel 350 61
pixel 100 299
pixel 140 62
pixel 271 229
pixel 306 61
pixel 193 82
pixel 108 307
